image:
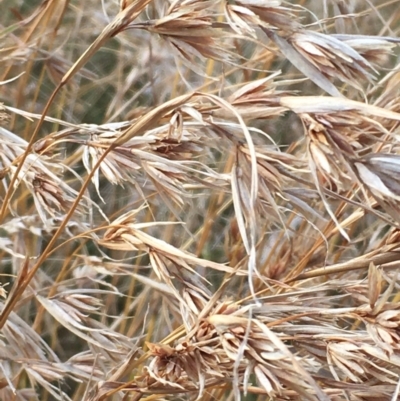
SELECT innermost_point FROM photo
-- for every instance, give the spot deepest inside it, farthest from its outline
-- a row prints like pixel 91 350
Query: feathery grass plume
pixel 162 154
pixel 125 234
pixel 187 28
pixel 272 13
pixel 332 57
pixel 374 49
pixel 378 173
pixel 259 99
pixel 71 311
pixel 339 135
pixel 216 347
pixel 50 193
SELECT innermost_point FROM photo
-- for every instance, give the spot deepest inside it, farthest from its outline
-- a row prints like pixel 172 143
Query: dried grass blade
pixel 324 104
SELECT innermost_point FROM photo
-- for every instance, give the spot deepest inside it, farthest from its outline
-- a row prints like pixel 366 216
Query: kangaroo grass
pixel 199 200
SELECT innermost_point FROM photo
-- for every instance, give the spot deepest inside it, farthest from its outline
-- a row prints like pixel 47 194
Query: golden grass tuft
pixel 200 200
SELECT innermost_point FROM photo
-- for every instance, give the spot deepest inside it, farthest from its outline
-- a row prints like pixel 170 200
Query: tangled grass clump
pixel 199 200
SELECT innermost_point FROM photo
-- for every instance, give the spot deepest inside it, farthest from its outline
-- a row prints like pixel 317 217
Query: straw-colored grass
pixel 200 200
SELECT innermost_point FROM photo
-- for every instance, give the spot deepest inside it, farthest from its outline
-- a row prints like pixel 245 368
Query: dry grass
pixel 200 200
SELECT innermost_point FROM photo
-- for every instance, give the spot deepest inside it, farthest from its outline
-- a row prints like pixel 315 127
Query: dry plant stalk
pixel 199 200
